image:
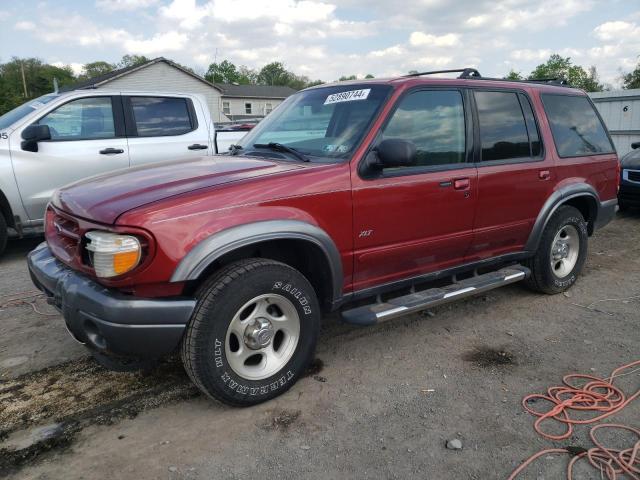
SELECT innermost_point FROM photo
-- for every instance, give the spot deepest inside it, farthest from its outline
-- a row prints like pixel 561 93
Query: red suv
pixel 346 192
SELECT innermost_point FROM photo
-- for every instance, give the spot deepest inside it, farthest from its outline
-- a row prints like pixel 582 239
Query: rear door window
pixel 503 129
pixel 161 116
pixel 577 129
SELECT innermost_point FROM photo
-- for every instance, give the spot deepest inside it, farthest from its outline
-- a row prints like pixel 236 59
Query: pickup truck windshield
pixel 12 116
pixel 327 122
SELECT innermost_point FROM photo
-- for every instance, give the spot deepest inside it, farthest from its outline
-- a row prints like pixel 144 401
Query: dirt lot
pixel 379 402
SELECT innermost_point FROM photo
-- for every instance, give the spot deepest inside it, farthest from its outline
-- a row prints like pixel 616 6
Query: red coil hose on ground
pixel 596 395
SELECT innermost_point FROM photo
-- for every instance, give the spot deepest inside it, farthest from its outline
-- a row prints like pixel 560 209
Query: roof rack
pixel 472 73
pixel 464 73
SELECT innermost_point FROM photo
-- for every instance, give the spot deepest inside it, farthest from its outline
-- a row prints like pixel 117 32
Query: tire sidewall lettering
pixel 296 294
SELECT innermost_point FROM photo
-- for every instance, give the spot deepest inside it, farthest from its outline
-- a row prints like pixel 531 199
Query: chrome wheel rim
pixel 565 250
pixel 262 336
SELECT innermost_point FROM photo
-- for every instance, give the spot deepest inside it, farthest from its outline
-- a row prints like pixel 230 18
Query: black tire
pixel 543 277
pixel 4 234
pixel 622 207
pixel 219 300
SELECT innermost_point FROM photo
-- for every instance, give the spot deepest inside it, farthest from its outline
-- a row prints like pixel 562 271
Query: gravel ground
pixel 379 402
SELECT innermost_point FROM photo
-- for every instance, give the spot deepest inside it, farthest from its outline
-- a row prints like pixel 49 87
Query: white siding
pixel 258 105
pixel 161 77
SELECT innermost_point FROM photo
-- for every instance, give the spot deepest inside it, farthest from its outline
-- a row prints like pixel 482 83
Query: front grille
pixel 633 175
pixel 63 236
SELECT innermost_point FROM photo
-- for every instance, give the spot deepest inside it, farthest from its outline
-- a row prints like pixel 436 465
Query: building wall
pixel 258 106
pixel 620 111
pixel 161 77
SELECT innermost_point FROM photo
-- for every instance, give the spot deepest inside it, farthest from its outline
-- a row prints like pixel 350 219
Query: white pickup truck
pixel 60 138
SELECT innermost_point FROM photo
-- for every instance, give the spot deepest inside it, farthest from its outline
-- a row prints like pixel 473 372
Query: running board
pixel 413 302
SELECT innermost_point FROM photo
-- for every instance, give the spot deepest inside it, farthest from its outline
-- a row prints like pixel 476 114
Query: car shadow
pixel 20 247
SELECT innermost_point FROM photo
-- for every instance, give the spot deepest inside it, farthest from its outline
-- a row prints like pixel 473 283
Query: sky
pixel 327 39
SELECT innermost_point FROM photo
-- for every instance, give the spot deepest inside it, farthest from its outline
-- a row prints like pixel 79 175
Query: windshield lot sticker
pixel 350 96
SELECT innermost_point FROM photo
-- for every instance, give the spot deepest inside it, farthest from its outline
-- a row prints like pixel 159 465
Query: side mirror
pixel 635 145
pixel 34 134
pixel 395 152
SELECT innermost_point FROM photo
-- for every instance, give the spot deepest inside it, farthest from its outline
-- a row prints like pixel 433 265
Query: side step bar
pixel 413 302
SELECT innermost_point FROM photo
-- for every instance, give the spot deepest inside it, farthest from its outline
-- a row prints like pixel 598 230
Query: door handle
pixel 544 174
pixel 197 146
pixel 461 184
pixel 111 151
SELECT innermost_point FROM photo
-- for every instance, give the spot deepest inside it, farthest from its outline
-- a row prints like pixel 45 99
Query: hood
pixel 104 198
pixel 631 160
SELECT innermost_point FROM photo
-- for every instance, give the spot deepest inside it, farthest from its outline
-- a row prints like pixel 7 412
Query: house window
pixel 248 107
pixel 226 108
pixel 268 108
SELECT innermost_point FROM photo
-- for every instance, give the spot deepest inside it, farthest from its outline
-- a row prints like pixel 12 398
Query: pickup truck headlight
pixel 113 254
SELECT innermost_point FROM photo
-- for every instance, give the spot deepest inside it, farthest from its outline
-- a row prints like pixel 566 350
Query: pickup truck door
pixel 413 220
pixel 162 128
pixel 87 138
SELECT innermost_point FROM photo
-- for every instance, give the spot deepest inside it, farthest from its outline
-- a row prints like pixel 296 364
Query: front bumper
pixel 629 194
pixel 107 320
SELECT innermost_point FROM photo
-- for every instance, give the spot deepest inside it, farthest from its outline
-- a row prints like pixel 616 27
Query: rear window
pixel 161 116
pixel 577 129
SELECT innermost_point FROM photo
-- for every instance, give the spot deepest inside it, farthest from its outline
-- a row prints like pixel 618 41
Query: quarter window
pixel 81 119
pixel 503 131
pixel 161 116
pixel 434 122
pixel 576 128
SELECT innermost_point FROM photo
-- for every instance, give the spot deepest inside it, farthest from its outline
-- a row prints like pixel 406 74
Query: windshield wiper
pixel 279 147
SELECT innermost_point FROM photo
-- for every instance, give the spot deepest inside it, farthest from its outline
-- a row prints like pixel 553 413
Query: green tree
pixel 247 76
pixel 275 73
pixel 514 75
pixel 38 80
pixel 132 60
pixel 561 67
pixel 631 79
pixel 368 75
pixel 223 72
pixel 350 77
pixel 95 69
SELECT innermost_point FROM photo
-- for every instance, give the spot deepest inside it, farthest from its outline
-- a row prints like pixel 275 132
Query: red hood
pixel 104 198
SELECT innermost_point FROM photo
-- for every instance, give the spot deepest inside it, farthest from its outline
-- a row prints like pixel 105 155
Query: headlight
pixel 113 254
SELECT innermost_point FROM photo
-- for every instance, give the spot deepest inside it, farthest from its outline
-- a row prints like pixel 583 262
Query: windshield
pixel 327 122
pixel 12 116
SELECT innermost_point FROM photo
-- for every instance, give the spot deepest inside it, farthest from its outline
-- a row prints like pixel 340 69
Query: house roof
pixel 100 80
pixel 227 89
pixel 259 91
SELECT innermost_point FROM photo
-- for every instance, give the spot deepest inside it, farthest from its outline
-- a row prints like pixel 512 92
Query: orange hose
pixel 596 395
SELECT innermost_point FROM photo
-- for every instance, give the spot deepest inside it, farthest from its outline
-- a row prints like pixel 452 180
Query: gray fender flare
pixel 225 241
pixel 555 200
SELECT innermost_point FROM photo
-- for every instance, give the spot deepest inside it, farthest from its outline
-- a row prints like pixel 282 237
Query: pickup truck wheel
pixel 561 253
pixel 3 234
pixel 253 332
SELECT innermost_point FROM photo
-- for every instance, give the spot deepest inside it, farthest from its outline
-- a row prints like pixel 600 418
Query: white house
pixel 620 110
pixel 226 102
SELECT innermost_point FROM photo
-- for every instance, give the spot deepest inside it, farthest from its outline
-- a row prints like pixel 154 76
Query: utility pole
pixel 24 80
